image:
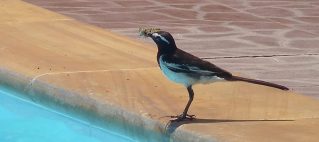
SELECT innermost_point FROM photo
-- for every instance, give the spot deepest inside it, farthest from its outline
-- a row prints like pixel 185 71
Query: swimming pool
pixel 24 121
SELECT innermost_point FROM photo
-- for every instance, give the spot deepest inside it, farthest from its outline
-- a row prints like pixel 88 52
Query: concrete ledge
pixel 114 82
pixel 96 112
pixel 145 123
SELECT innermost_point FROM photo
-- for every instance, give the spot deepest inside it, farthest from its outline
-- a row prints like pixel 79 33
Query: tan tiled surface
pixel 97 68
pixel 266 39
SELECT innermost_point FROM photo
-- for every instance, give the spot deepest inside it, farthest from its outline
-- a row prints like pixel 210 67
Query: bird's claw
pixel 183 117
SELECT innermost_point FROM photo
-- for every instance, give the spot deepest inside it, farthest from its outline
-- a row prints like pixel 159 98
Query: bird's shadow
pixel 173 125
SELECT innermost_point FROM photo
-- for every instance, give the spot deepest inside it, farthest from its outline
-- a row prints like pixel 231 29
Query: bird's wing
pixel 185 68
pixel 184 62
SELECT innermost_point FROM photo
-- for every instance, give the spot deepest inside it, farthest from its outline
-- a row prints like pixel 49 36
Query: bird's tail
pixel 260 82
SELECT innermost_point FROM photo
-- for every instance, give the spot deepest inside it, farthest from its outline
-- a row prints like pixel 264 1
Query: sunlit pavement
pixel 271 40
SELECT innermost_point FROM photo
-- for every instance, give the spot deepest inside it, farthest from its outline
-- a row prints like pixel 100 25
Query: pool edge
pixel 95 112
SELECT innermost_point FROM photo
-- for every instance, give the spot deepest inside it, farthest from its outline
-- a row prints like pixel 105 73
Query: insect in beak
pixel 147 32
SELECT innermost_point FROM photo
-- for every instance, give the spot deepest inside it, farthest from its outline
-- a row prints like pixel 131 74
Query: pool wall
pixel 102 115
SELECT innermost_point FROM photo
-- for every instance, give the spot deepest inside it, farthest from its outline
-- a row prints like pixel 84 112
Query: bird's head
pixel 164 40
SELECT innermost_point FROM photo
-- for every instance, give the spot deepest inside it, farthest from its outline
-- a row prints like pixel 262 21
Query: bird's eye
pixel 161 38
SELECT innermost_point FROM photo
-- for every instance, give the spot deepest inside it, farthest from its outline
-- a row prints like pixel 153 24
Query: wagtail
pixel 187 69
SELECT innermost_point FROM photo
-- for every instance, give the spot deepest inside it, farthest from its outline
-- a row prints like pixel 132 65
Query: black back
pixel 171 54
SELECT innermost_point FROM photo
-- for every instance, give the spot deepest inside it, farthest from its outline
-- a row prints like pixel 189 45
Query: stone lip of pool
pixel 95 112
pixel 23 120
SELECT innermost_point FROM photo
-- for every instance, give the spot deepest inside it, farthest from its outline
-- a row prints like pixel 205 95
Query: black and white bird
pixel 184 68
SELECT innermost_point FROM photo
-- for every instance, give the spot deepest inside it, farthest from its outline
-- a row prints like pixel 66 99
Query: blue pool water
pixel 24 121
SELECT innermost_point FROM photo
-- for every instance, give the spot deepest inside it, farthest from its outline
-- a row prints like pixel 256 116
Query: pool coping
pixel 130 124
pixel 19 74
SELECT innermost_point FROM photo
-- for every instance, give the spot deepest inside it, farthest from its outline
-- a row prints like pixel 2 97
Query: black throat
pixel 165 51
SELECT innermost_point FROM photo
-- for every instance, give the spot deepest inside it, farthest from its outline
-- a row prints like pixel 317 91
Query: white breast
pixel 183 78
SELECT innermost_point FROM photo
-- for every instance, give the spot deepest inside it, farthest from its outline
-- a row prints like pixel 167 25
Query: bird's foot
pixel 183 117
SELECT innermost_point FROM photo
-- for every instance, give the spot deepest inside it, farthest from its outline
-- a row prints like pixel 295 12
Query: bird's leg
pixel 191 97
pixel 184 115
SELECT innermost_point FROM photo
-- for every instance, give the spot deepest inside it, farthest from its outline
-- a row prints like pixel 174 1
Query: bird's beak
pixel 150 35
